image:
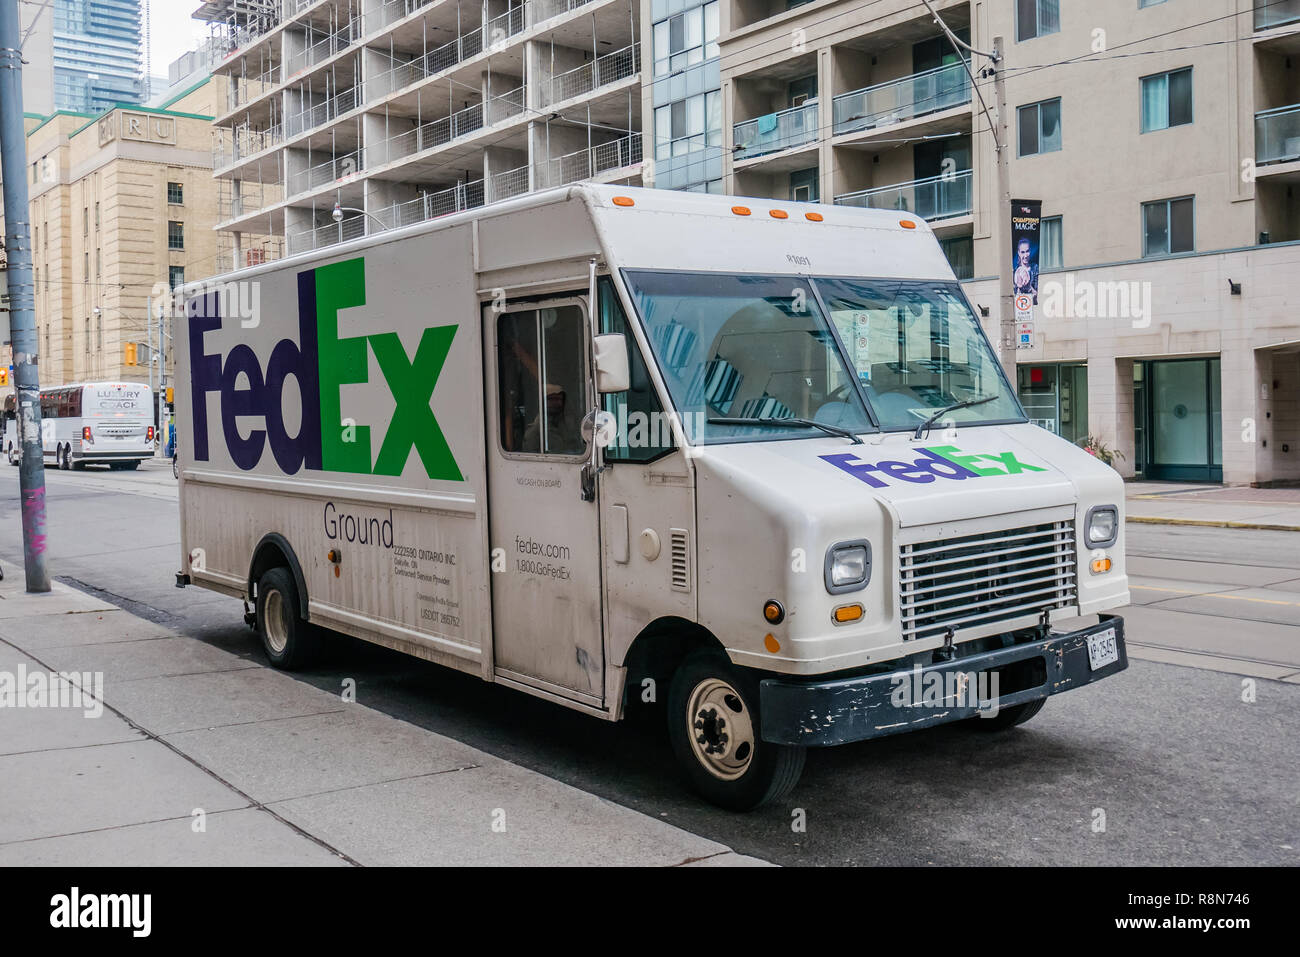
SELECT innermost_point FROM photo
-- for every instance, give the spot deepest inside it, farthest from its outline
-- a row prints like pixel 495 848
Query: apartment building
pixel 1162 138
pixel 346 117
pixel 123 206
pixel 98 53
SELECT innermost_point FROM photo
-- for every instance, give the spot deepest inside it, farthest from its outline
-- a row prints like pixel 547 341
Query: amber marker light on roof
pixel 907 224
pixel 623 201
pixel 740 210
pixel 778 214
pixel 814 217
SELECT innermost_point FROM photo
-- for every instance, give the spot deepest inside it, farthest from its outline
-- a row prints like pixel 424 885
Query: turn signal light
pixel 148 434
pixel 1100 565
pixel 85 434
pixel 847 613
pixel 774 612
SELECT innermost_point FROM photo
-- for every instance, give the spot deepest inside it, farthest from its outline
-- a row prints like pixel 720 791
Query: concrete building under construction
pixel 350 116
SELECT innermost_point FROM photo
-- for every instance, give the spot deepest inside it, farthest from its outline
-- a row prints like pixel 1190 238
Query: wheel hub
pixel 720 729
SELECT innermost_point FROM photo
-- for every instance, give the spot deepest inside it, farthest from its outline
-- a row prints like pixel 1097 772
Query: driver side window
pixel 541 380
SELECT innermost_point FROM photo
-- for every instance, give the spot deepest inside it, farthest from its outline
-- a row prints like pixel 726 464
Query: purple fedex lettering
pixel 921 472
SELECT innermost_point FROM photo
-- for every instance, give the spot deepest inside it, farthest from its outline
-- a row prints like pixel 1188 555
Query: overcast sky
pixel 173 31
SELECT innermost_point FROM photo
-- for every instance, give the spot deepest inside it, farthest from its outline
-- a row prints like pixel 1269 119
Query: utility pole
pixel 1002 220
pixel 22 297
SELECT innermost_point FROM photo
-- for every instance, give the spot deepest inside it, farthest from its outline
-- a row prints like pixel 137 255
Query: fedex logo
pixel 321 362
pixel 944 461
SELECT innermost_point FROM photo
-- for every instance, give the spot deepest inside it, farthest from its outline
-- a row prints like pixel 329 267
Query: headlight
pixel 1101 527
pixel 848 566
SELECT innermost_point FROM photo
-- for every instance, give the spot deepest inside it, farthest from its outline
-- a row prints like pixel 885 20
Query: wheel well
pixel 274 551
pixel 659 649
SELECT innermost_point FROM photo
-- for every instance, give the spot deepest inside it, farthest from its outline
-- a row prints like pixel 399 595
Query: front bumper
pixel 826 713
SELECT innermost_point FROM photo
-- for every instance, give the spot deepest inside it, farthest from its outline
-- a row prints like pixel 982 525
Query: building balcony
pixel 1277 135
pixel 1276 13
pixel 605 70
pixel 775 132
pixel 933 199
pixel 323 174
pixel 896 101
pixel 437 133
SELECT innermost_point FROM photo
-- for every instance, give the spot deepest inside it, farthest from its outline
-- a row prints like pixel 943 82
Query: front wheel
pixel 1007 717
pixel 713 723
pixel 13 457
pixel 289 641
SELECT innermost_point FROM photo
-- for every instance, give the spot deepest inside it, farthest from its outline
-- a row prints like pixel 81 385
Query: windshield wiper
pixel 771 420
pixel 924 426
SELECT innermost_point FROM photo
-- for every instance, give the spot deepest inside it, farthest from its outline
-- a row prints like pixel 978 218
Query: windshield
pixel 761 348
pixel 746 347
pixel 917 349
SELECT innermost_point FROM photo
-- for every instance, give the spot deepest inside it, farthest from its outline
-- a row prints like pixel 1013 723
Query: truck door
pixel 545 540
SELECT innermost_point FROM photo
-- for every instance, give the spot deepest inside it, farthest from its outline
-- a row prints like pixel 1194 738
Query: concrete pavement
pixel 1219 506
pixel 200 756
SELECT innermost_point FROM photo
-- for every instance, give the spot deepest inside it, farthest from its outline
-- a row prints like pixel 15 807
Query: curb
pixel 1256 526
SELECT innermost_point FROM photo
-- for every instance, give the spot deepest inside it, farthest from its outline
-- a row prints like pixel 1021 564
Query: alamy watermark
pixel 953 689
pixel 76 690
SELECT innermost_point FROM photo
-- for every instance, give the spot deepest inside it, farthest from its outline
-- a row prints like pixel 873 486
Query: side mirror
pixel 610 352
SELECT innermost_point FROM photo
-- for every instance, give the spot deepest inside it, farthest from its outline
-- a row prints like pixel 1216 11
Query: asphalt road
pixel 1163 764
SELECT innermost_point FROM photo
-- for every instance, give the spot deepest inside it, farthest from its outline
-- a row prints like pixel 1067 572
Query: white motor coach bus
pixel 106 423
pixel 755 460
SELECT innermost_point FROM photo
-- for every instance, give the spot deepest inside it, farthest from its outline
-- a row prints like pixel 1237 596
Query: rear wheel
pixel 289 641
pixel 713 723
pixel 65 458
pixel 1007 717
pixel 12 454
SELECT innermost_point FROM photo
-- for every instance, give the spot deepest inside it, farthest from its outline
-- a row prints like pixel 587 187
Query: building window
pixel 88 335
pixel 1040 127
pixel 85 269
pixel 1037 18
pixel 805 185
pixel 1166 100
pixel 688 125
pixel 99 264
pixel 175 276
pixel 176 194
pixel 97 216
pixel 688 38
pixel 85 221
pixel 1168 226
pixel 961 256
pixel 1051 248
pixel 175 235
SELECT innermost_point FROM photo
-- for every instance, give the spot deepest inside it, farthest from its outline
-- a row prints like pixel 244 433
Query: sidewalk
pixel 201 757
pixel 1169 503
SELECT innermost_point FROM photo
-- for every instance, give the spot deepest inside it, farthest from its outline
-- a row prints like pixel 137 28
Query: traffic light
pixel 170 395
pixel 4 376
pixel 130 354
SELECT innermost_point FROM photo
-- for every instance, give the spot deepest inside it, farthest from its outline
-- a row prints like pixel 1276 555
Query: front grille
pixel 977 580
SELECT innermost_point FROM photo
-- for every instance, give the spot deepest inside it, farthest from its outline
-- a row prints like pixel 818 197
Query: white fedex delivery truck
pixel 607 446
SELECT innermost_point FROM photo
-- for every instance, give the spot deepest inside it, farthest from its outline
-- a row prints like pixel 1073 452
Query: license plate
pixel 1103 649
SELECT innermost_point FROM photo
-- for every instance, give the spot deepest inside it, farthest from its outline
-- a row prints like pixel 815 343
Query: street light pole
pixel 22 297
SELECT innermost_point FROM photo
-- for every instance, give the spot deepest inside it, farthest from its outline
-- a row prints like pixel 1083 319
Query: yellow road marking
pixel 1207 594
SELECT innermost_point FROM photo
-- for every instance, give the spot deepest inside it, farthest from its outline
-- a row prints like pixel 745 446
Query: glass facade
pixel 687 95
pixel 98 54
pixel 1055 397
pixel 1178 419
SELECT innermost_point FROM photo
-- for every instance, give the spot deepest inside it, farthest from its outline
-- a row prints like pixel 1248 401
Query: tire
pixel 1007 717
pixel 65 459
pixel 290 643
pixel 723 755
pixel 176 467
pixel 13 458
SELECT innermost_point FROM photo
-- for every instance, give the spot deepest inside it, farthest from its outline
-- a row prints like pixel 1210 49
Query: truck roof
pixel 672 229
